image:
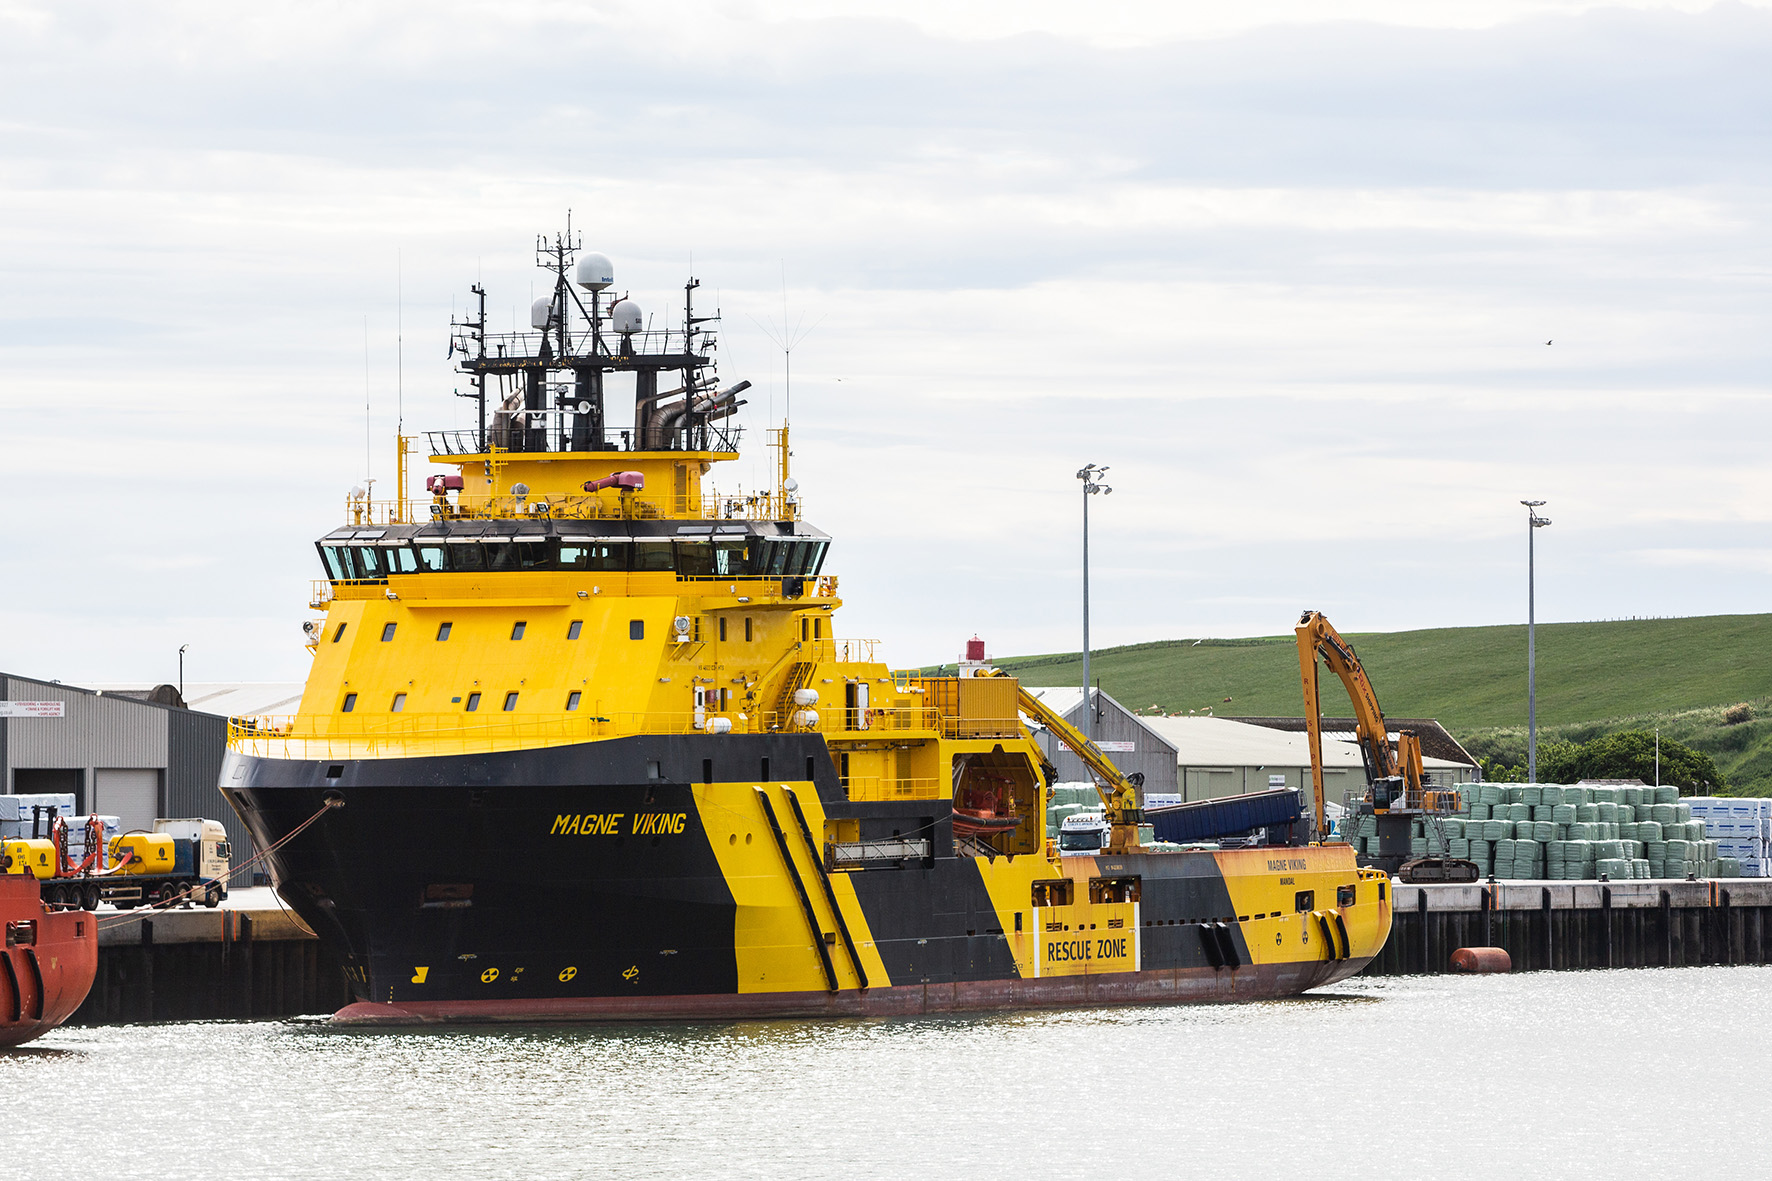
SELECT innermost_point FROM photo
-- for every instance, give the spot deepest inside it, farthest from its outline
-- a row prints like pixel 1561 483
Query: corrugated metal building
pixel 1121 734
pixel 118 754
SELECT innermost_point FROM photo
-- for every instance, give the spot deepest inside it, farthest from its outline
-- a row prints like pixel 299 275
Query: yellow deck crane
pixel 1118 791
pixel 1395 794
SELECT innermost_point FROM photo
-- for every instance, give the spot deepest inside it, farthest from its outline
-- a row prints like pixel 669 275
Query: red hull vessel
pixel 47 965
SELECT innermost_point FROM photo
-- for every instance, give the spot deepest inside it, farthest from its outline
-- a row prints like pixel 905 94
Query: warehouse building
pixel 137 754
pixel 1225 756
pixel 1122 735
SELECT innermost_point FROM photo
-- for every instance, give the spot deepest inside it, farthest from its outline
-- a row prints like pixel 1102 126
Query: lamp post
pixel 181 673
pixel 1533 522
pixel 1092 485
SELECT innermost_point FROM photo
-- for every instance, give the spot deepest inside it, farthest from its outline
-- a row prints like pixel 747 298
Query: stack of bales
pixel 1067 799
pixel 1742 828
pixel 1540 831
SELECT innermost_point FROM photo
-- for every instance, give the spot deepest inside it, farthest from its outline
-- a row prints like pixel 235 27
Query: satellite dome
pixel 624 316
pixel 540 312
pixel 595 272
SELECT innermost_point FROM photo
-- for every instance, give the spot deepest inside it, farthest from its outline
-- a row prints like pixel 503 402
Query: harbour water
pixel 1552 1074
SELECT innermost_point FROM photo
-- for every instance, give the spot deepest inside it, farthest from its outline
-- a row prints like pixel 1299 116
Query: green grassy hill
pixel 1593 678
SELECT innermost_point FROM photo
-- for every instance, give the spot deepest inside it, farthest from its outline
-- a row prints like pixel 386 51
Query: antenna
pixel 399 344
pixel 787 339
pixel 366 431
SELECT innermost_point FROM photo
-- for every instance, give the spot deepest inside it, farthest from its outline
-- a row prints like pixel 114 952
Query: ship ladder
pixel 781 844
pixel 824 880
pixel 799 677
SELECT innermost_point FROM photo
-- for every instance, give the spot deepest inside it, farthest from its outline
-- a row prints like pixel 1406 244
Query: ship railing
pixel 551 432
pixel 835 718
pixel 709 506
pixel 310 736
pixel 871 788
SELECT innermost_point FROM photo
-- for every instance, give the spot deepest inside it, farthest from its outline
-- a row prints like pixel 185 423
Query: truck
pixel 1083 834
pixel 79 863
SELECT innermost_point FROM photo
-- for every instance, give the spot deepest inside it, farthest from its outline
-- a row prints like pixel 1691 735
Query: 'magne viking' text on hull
pixel 580 741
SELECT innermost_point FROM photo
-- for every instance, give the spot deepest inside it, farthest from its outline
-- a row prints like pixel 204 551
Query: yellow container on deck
pixel 36 857
pixel 148 852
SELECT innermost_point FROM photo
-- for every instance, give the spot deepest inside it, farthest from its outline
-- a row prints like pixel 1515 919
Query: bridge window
pixel 369 563
pixel 535 554
pixel 731 558
pixel 653 556
pixel 500 555
pixel 466 555
pixel 695 559
pixel 398 559
pixel 432 559
pixel 338 562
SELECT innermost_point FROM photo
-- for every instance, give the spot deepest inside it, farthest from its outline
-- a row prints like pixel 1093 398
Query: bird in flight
pixel 1547 342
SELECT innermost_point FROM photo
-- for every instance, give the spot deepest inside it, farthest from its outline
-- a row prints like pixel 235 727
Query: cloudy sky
pixel 1290 269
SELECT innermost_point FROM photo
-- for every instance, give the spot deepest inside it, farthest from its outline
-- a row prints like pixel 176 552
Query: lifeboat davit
pixel 48 963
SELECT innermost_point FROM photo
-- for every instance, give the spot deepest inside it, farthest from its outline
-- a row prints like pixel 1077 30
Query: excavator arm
pixel 1118 791
pixel 1317 639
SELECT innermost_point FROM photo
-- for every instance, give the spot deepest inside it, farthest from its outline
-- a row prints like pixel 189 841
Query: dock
pixel 248 958
pixel 1555 925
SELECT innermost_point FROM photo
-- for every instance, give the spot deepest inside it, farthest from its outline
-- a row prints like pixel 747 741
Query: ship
pixel 583 740
pixel 50 958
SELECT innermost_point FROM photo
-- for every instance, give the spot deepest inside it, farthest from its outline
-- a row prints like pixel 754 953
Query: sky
pixel 1330 287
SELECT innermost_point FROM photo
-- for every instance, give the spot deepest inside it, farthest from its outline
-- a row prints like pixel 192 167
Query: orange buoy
pixel 1482 959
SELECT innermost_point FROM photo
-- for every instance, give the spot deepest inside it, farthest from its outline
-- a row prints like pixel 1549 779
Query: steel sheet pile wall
pixel 1576 925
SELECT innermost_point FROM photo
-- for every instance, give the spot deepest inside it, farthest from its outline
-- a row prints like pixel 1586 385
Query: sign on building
pixel 1118 748
pixel 32 709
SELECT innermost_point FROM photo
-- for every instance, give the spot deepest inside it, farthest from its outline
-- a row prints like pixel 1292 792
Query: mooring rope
pixel 148 911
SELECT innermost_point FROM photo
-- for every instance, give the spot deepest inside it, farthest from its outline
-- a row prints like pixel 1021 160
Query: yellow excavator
pixel 1395 795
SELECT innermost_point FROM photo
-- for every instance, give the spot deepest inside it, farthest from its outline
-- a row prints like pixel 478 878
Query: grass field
pixel 1593 678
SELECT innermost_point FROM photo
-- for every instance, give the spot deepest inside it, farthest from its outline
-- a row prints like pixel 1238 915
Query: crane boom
pixel 1118 791
pixel 1317 639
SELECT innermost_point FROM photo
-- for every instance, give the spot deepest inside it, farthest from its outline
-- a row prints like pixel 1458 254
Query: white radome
pixel 595 271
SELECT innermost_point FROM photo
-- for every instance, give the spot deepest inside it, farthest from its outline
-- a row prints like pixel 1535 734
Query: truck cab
pixel 209 853
pixel 1083 834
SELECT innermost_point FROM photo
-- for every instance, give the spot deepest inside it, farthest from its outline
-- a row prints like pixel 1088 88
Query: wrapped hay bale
pixel 1543 831
pixel 1479 811
pixel 1531 793
pixel 1607 812
pixel 1551 793
pixel 1664 794
pixel 1639 868
pixel 1615 868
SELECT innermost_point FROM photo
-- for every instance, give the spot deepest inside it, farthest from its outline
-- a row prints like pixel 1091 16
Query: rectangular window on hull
pixel 572 700
pixel 350 703
pixel 339 634
pixel 517 630
pixel 399 703
pixel 747 629
pixel 510 701
pixel 722 629
pixel 473 702
pixel 574 628
pixel 387 632
pixel 443 631
pixel 636 629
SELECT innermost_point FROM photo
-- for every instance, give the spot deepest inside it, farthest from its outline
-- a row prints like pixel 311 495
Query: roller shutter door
pixel 133 796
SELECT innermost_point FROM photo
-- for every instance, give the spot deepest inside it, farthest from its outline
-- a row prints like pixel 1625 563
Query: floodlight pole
pixel 181 673
pixel 1533 522
pixel 1091 486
